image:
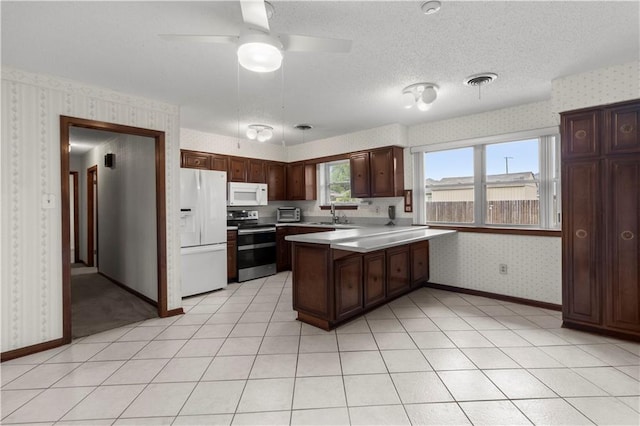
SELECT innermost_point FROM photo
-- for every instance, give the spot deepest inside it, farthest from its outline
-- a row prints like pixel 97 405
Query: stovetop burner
pixel 245 219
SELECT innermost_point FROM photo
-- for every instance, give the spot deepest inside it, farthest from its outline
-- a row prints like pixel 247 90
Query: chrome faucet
pixel 333 213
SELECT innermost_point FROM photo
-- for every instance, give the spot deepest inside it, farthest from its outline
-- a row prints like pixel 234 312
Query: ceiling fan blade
pixel 200 38
pixel 300 43
pixel 254 14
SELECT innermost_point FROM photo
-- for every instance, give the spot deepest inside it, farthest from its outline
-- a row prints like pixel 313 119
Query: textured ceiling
pixel 116 45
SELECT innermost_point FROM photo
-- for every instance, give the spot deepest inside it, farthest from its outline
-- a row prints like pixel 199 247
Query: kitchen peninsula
pixel 340 274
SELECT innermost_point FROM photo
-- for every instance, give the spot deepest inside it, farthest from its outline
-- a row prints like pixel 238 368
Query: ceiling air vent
pixel 480 79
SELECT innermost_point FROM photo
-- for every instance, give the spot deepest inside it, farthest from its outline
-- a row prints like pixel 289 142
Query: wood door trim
pixel 92 212
pixel 161 215
pixel 76 218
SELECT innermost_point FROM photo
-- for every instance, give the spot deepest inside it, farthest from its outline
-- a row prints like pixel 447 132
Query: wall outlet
pixel 503 268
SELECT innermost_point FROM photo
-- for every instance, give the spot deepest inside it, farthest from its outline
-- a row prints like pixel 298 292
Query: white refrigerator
pixel 203 230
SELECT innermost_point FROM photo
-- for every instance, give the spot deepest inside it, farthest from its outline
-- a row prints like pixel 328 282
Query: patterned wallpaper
pixel 471 260
pixel 30 269
pixel 508 120
pixel 604 86
pixel 210 142
pixel 393 134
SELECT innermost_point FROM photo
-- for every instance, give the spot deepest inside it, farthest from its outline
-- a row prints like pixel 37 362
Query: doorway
pixel 74 222
pixel 66 124
pixel 92 215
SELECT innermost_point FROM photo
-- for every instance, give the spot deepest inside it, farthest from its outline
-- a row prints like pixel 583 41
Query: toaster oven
pixel 288 214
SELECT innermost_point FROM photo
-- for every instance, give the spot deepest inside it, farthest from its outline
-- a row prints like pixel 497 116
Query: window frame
pixel 549 179
pixel 323 170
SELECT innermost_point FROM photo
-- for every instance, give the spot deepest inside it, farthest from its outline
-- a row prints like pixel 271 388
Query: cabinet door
pixel 622 131
pixel 232 247
pixel 276 181
pixel 580 134
pixel 195 160
pixel 237 169
pixel 220 163
pixel 623 244
pixel 359 164
pixel 387 172
pixel 256 171
pixel 283 247
pixel 374 278
pixel 348 286
pixel 295 181
pixel 419 263
pixel 582 274
pixel 398 279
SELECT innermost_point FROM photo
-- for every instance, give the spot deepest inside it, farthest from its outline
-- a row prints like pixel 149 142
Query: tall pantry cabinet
pixel 601 219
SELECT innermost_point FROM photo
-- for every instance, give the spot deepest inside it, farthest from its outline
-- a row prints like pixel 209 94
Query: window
pixel 512 183
pixel 449 192
pixel 335 182
pixel 507 184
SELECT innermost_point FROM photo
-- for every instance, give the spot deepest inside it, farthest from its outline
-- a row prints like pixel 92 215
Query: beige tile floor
pixel 238 356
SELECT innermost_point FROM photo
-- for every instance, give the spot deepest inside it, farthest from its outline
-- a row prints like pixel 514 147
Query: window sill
pixel 341 207
pixel 509 231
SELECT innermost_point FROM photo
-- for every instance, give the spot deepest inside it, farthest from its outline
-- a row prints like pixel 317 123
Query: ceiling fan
pixel 259 49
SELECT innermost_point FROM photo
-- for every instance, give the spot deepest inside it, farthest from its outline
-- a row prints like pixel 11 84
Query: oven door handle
pixel 256 231
pixel 256 246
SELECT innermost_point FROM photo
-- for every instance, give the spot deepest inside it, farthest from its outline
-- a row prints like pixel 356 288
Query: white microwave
pixel 247 194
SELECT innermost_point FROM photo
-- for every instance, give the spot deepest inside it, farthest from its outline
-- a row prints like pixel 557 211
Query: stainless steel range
pixel 256 255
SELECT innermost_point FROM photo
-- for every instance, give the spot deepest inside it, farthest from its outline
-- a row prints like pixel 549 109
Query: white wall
pixel 30 241
pixel 126 212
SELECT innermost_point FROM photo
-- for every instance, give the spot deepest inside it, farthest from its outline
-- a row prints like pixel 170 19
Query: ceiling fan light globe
pixel 259 56
pixel 408 100
pixel 252 133
pixel 262 137
pixel 267 133
pixel 429 95
pixel 422 106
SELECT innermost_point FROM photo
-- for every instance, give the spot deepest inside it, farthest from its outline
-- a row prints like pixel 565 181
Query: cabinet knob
pixel 581 233
pixel 626 128
pixel 580 134
pixel 627 235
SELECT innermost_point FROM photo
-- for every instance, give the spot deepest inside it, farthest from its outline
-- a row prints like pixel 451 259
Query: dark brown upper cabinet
pixel 360 179
pixel 387 172
pixel 301 181
pixel 256 171
pixel 277 185
pixel 238 169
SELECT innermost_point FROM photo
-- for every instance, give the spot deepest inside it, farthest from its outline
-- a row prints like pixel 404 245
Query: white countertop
pixel 379 242
pixel 368 239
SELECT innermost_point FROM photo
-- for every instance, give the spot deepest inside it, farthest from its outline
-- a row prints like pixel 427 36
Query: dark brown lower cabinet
pixel 398 279
pixel 333 286
pixel 419 263
pixel 283 249
pixel 623 245
pixel 374 278
pixel 348 286
pixel 232 247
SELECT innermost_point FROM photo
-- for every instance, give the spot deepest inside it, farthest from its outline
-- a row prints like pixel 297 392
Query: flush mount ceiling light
pixel 261 132
pixel 422 95
pixel 430 7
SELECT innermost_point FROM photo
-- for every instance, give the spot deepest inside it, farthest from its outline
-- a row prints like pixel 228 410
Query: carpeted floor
pixel 98 305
